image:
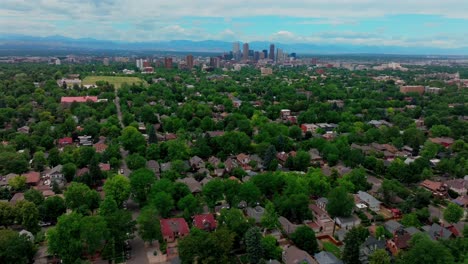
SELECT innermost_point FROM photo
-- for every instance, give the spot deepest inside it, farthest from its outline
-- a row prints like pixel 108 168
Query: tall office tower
pixel 279 55
pixel 235 47
pixel 168 63
pixel 262 55
pixel 256 56
pixel 272 52
pixel 265 54
pixel 245 51
pixel 139 63
pixel 189 60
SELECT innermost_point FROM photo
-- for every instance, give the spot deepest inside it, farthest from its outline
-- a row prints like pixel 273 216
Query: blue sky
pixel 410 23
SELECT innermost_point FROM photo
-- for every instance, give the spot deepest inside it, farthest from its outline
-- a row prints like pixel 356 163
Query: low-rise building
pixel 174 228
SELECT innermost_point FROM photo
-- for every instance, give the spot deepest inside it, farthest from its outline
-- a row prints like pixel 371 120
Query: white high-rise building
pixel 139 63
pixel 279 55
pixel 235 47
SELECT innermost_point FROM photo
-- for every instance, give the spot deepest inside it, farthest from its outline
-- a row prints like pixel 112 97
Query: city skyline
pixel 364 22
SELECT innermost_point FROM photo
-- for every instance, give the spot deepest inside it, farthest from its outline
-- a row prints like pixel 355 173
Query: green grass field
pixel 330 247
pixel 117 81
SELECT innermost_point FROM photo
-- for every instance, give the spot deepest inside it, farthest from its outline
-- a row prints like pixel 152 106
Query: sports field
pixel 117 81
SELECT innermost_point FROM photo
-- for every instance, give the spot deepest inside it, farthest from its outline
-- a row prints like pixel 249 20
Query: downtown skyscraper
pixel 271 55
pixel 245 51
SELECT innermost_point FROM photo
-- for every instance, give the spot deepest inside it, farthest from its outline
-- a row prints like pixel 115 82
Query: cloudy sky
pixel 409 23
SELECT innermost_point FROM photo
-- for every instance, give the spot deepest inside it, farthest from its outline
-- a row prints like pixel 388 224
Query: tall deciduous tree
pixel 353 240
pixel 79 197
pixel 380 256
pixel 15 248
pixel 340 203
pixel 304 238
pixel 423 250
pixel 453 213
pixel 148 225
pixel 140 182
pixel 131 139
pixel 270 218
pixel 253 239
pixel 118 187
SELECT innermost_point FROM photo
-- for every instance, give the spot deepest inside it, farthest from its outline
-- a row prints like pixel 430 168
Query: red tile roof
pixel 65 141
pixel 78 99
pixel 100 147
pixel 32 177
pixel 173 227
pixel 105 166
pixel 204 221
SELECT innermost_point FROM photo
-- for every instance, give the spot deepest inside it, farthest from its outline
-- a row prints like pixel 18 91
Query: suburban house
pixel 438 189
pixel 214 161
pixel 65 141
pixel 399 241
pixel 100 147
pixel 369 247
pixel 458 185
pixel 174 228
pixel 55 174
pixel 392 226
pixel 322 220
pixel 369 200
pixel 255 213
pixel 436 232
pixel 23 130
pixel 315 156
pixel 194 185
pixel 312 128
pixel 443 141
pixel 65 101
pixel 196 163
pixel 348 222
pixel 32 178
pixel 325 257
pixel 287 226
pixel 154 166
pixel 294 255
pixel 205 222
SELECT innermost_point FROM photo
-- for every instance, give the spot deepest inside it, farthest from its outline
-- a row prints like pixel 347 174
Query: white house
pixel 370 200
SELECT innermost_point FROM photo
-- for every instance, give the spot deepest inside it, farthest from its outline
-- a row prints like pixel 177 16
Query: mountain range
pixel 17 44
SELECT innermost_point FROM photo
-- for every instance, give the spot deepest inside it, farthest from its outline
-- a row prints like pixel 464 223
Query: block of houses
pixel 325 257
pixel 294 255
pixel 205 222
pixel 369 200
pixel 174 228
pixel 193 185
pixel 438 189
pixel 369 247
pixel 196 163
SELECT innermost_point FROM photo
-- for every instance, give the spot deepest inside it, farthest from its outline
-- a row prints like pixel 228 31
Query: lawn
pixel 330 247
pixel 117 81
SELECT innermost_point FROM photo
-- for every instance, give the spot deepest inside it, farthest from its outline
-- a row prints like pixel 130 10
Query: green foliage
pixel 424 250
pixel 213 192
pixel 304 238
pixel 131 139
pixel 135 161
pixel 380 256
pixel 52 208
pixel 148 225
pixel 270 248
pixel 340 203
pixel 34 196
pixel 453 213
pixel 270 217
pixel 140 182
pixel 118 187
pixel 78 197
pixel 15 248
pixel 18 183
pixel 253 239
pixel 353 240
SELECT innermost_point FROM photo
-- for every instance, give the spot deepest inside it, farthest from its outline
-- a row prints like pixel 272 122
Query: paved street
pixel 125 170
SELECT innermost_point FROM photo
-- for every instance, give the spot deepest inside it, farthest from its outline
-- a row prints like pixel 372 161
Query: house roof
pixel 436 232
pixel 256 213
pixel 204 221
pixel 105 166
pixel 174 225
pixel 153 165
pixel 367 198
pixel 193 184
pixel 32 177
pixel 65 140
pixel 56 169
pixel 293 255
pixel 325 257
pixel 195 160
pixel 392 226
pixel 457 183
pixel 100 147
pixel 78 99
pixel 288 227
pixel 431 185
pixel 16 198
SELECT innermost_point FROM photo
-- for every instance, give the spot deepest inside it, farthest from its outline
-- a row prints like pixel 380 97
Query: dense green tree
pixel 148 225
pixel 304 238
pixel 69 171
pixel 39 161
pixel 189 205
pixel 27 215
pixel 81 198
pixel 453 213
pixel 213 192
pixel 270 217
pixel 118 187
pixel 18 183
pixel 34 196
pixel 131 139
pixel 253 239
pixel 270 247
pixel 140 182
pixel 52 208
pixel 234 220
pixel 340 203
pixel 249 193
pixel 353 240
pixel 15 248
pixel 424 250
pixel 380 256
pixel 135 161
pixel 163 203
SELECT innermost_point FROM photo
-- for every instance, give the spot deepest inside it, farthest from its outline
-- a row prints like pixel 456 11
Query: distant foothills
pixel 12 44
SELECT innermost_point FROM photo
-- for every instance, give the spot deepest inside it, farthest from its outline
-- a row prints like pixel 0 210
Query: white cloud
pixel 160 20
